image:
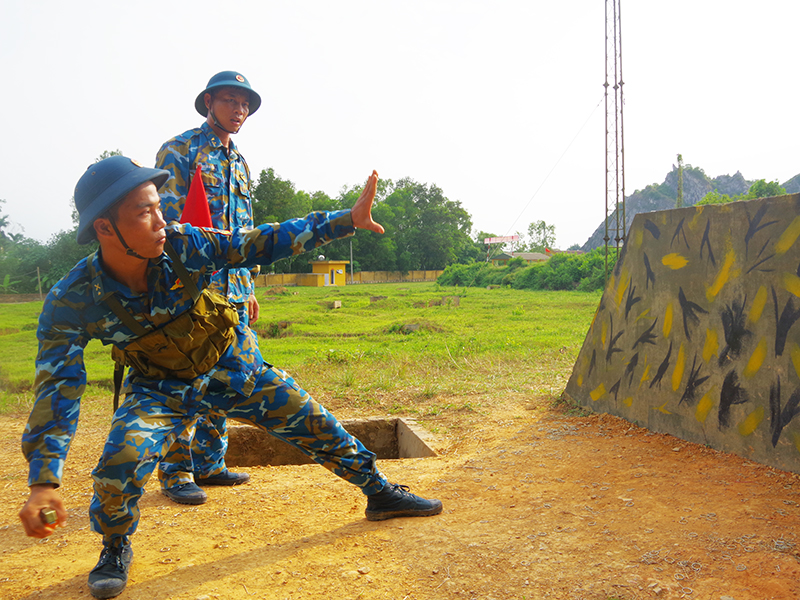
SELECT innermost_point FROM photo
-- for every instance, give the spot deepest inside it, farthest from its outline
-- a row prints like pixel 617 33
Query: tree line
pixel 424 231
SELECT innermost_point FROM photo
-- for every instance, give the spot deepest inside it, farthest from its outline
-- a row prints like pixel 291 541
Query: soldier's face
pixel 230 106
pixel 140 221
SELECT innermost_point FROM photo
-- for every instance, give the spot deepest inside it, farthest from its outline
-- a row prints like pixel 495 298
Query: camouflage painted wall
pixel 697 332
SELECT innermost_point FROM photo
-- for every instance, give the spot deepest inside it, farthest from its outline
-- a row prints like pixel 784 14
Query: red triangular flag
pixel 196 211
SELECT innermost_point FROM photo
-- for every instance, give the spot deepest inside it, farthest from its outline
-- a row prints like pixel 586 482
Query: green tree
pixel 275 200
pixel 714 197
pixel 541 236
pixel 764 189
pixel 759 189
pixel 431 230
pixel 5 238
pixel 476 250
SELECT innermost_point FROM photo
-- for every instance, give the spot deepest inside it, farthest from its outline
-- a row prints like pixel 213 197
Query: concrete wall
pixel 696 334
pixel 291 279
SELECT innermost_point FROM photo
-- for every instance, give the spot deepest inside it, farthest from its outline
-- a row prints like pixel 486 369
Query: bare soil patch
pixel 18 298
pixel 538 504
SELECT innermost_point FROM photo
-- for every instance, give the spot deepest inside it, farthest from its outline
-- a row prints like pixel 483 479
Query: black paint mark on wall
pixel 763 260
pixel 650 275
pixel 780 418
pixel 679 231
pixel 631 300
pixel 615 389
pixel 662 368
pixel 783 322
pixel 706 242
pixel 695 381
pixel 612 340
pixel 652 228
pixel 731 394
pixel 733 325
pixel 630 368
pixel 755 226
pixel 648 337
pixel 690 310
pixel 592 363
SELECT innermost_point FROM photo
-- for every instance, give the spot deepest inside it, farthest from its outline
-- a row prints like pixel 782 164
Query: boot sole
pixel 383 515
pixel 228 482
pixel 192 501
pixel 104 593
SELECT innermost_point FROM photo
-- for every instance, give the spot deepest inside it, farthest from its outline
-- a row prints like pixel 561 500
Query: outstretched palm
pixel 362 209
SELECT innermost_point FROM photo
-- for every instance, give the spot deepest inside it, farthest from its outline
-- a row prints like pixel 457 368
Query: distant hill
pixel 696 184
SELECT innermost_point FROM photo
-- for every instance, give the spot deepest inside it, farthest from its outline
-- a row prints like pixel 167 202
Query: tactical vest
pixel 183 348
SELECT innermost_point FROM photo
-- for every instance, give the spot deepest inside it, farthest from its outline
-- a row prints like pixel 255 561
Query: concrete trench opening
pixel 389 438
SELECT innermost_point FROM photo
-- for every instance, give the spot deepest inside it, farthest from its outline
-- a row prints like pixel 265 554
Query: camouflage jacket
pixel 226 179
pixel 74 312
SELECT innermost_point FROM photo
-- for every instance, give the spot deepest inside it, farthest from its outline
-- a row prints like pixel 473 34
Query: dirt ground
pixel 537 504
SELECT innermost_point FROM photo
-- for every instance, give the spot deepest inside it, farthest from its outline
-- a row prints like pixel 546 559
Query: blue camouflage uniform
pixel 241 384
pixel 226 179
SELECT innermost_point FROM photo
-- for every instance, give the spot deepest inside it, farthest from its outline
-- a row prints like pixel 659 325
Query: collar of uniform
pixel 216 143
pixel 98 278
pixel 103 285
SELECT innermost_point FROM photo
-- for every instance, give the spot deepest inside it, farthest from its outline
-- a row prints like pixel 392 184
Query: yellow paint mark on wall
pixel 598 393
pixel 796 358
pixel 752 421
pixel 711 347
pixel 638 238
pixel 643 315
pixel 667 320
pixel 645 375
pixel 677 373
pixel 788 237
pixel 604 333
pixel 756 359
pixel 792 283
pixel 624 280
pixel 695 219
pixel 722 277
pixel 705 405
pixel 674 261
pixel 628 401
pixel 758 305
pixel 796 440
pixel 580 379
pixel 662 408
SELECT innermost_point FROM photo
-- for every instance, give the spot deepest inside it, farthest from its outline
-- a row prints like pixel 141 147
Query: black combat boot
pixel 110 576
pixel 396 501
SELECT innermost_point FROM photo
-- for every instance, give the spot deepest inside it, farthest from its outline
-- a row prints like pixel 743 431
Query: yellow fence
pixel 309 279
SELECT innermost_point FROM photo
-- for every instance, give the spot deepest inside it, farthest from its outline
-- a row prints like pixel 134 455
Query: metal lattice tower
pixel 615 146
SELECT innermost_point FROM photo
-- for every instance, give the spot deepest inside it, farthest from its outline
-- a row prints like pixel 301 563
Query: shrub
pixel 584 272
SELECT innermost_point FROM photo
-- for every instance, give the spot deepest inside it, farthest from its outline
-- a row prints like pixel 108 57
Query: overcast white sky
pixel 481 98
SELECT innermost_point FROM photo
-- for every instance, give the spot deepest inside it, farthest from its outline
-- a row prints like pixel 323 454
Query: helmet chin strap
pixel 128 250
pixel 218 124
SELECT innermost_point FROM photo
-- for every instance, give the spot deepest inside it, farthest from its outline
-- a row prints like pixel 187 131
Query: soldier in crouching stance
pixel 143 291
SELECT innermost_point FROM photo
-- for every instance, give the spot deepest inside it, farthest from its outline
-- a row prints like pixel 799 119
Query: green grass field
pixel 388 345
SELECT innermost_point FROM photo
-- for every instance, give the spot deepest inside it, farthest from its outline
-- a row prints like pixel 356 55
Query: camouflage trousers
pixel 146 425
pixel 200 450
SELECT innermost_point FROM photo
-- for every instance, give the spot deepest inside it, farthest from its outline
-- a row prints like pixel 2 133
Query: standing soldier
pixel 226 102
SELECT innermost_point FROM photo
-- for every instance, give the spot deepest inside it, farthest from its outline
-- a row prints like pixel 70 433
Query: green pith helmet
pixel 227 79
pixel 104 184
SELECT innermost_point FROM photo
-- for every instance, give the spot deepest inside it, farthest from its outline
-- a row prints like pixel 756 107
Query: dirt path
pixel 538 504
